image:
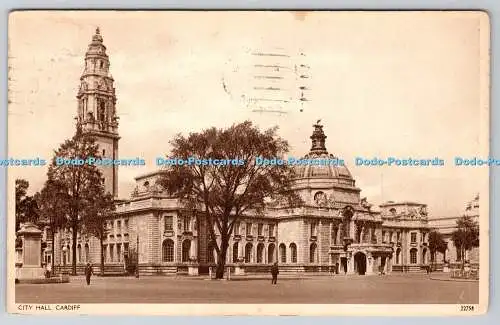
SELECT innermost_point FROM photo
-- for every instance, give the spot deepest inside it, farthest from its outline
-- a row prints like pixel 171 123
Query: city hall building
pixel 334 230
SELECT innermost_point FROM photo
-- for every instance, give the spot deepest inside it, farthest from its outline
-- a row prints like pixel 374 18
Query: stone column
pixel 193 265
pixel 241 250
pixel 239 268
pixel 350 265
pixel 351 229
pixel 194 249
pixel 371 262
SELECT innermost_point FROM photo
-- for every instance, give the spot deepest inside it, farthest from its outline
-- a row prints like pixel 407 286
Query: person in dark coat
pixel 274 272
pixel 88 273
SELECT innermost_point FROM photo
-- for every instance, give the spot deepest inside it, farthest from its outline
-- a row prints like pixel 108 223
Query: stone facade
pixel 335 230
pixel 446 226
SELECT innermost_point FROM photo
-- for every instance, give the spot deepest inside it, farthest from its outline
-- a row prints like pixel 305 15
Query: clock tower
pixel 97 108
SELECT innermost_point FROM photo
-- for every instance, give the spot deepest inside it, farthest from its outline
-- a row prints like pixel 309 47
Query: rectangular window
pixel 398 236
pixel 271 230
pixel 168 223
pixel 259 229
pixel 249 229
pixel 413 237
pixel 125 225
pixel 119 226
pixel 236 229
pixel 384 240
pixel 186 224
pixel 390 237
pixel 313 229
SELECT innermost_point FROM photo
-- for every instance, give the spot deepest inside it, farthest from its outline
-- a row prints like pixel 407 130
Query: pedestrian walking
pixel 274 272
pixel 88 273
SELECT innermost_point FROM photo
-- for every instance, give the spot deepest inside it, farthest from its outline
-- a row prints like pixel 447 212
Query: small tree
pixel 436 244
pixel 96 215
pixel 79 181
pixel 53 202
pixel 26 205
pixel 466 236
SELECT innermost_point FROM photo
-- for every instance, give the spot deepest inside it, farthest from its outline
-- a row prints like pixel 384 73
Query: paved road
pixel 392 289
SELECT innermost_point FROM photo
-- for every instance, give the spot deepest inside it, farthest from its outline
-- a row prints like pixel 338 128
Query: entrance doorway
pixel 383 261
pixel 343 264
pixel 360 263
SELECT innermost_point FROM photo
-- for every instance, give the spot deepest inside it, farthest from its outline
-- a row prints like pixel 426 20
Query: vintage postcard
pixel 248 163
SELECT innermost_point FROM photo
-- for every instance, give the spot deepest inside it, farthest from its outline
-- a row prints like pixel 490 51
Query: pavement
pixel 338 289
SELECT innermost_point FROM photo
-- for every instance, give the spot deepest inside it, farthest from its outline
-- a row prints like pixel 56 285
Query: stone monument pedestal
pixel 192 270
pixel 239 270
pixel 29 264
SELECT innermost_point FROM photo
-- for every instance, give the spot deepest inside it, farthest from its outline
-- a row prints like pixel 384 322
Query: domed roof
pixel 318 163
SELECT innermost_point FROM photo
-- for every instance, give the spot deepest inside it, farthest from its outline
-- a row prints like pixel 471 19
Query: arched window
pixel 112 252
pixel 413 256
pixel 312 253
pixel 248 253
pixel 102 110
pixel 235 252
pixel 270 253
pixel 335 232
pixel 260 253
pixel 283 253
pixel 87 253
pixel 211 252
pixel 168 250
pixel 293 253
pixel 186 247
pixel 398 255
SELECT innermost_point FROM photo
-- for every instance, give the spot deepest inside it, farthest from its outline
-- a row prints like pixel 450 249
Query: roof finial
pixel 97 31
pixel 318 138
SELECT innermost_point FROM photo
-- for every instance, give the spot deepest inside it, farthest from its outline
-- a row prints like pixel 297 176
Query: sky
pixel 383 84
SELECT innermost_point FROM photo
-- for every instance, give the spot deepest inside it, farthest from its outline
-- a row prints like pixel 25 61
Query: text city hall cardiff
pixel 169 239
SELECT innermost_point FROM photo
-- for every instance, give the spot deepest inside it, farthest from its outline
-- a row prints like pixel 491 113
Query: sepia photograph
pixel 248 162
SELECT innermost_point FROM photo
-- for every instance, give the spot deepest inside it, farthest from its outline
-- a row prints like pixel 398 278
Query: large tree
pixel 466 236
pixel 79 178
pixel 26 205
pixel 436 244
pixel 53 201
pixel 96 215
pixel 229 190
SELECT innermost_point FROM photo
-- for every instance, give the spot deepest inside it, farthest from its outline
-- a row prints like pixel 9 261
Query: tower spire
pixel 318 139
pixel 97 107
